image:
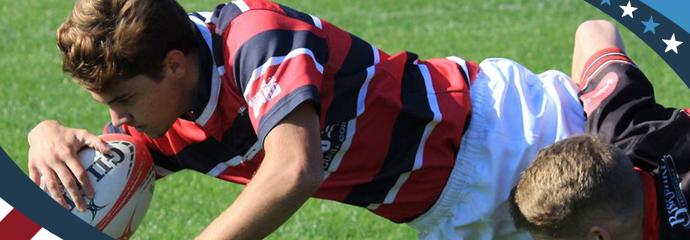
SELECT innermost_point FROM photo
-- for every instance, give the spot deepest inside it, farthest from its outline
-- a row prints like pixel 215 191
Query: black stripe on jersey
pixel 274 43
pixel 407 134
pixel 223 15
pixel 348 81
pixel 297 14
pixel 217 42
pixel 465 76
pixel 197 15
pixel 203 156
pixel 285 106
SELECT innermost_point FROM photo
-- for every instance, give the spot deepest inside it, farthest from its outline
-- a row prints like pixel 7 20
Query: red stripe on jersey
pixel 473 69
pixel 262 4
pixel 373 128
pixel 18 226
pixel 336 57
pixel 251 23
pixel 440 148
pixel 650 223
pixel 230 103
pixel 277 83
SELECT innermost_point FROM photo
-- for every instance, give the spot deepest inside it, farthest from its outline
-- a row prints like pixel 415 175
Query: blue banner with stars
pixel 662 24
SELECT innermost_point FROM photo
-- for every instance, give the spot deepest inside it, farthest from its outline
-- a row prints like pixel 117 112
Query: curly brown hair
pixel 106 41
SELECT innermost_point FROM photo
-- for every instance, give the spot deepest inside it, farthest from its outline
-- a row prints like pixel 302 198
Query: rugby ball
pixel 123 185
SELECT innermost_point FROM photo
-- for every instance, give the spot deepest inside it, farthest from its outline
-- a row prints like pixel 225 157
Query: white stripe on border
pixel 44 234
pixel 241 5
pixel 317 21
pixel 5 208
pixel 275 61
pixel 419 155
pixel 352 124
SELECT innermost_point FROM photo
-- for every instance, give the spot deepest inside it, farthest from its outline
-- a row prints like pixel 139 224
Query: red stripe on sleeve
pixel 337 55
pixel 594 62
pixel 262 4
pixel 18 226
pixel 252 23
pixel 278 82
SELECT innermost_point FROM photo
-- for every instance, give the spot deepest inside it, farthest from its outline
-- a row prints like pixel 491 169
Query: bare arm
pixel 289 174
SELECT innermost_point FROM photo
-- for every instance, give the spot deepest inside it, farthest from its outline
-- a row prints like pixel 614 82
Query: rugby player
pixel 294 107
pixel 628 177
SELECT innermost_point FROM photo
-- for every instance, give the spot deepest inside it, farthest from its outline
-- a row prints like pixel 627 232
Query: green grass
pixel 535 33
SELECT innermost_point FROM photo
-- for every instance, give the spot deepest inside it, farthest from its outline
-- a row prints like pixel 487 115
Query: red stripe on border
pixel 18 226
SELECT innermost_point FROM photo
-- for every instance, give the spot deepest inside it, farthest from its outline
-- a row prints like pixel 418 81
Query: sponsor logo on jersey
pixel 674 200
pixel 266 92
pixel 593 99
pixel 333 136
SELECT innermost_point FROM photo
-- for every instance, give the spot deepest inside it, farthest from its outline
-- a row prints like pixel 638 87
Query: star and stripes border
pixel 665 37
pixel 26 212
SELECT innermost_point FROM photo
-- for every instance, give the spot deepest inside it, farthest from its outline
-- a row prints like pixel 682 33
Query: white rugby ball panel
pixel 123 184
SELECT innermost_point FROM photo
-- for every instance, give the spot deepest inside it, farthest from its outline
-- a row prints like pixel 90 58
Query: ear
pixel 598 233
pixel 175 64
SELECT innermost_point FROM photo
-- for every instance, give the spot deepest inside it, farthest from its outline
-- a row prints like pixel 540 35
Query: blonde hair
pixel 105 41
pixel 572 183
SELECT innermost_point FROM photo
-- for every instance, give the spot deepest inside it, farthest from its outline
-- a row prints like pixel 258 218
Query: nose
pixel 117 119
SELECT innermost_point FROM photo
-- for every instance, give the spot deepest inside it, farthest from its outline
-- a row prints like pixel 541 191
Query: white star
pixel 672 44
pixel 628 10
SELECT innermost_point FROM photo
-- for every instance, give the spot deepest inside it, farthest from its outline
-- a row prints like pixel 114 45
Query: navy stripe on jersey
pixel 203 89
pixel 408 130
pixel 285 106
pixel 348 81
pixel 223 15
pixel 205 155
pixel 301 16
pixel 275 43
pixel 217 42
pixel 199 16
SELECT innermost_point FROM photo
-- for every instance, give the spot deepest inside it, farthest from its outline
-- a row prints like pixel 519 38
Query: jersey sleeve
pixel 621 109
pixel 277 62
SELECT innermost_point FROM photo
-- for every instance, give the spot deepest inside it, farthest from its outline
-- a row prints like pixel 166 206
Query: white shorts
pixel 514 114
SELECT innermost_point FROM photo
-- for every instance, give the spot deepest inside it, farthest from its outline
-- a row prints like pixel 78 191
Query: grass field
pixel 535 33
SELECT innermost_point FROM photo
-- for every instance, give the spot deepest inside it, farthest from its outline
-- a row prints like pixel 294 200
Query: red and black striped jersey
pixel 622 110
pixel 391 125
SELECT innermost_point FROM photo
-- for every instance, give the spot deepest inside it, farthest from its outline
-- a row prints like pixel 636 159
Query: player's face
pixel 147 105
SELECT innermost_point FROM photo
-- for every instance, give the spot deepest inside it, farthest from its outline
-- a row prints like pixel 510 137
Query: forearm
pixel 290 173
pixel 268 201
